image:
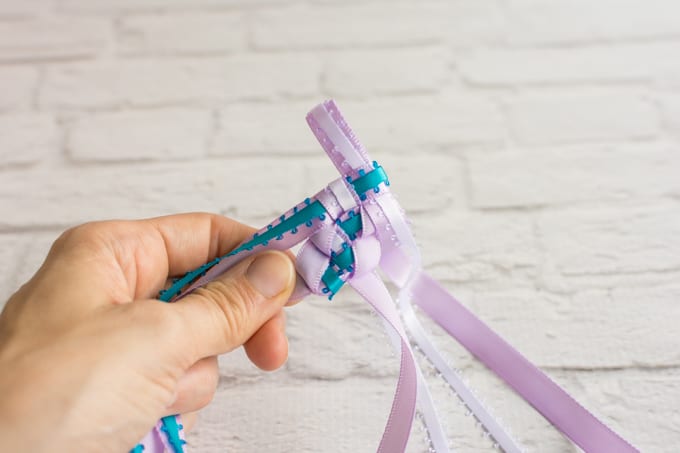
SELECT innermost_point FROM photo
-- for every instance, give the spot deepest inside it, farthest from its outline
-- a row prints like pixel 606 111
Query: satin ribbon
pixel 351 228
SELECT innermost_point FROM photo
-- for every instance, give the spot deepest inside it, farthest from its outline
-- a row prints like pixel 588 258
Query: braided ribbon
pixel 351 228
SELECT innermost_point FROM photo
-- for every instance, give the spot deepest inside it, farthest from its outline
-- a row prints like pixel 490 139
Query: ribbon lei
pixel 351 228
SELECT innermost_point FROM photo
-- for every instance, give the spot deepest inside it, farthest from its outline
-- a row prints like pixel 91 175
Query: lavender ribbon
pixel 354 226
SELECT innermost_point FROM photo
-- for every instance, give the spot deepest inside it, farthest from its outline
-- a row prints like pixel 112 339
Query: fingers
pixel 299 292
pixel 127 260
pixel 226 312
pixel 268 347
pixel 197 387
pixel 191 240
pixel 189 421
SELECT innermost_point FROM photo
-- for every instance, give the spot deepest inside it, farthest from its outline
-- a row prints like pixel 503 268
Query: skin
pixel 90 360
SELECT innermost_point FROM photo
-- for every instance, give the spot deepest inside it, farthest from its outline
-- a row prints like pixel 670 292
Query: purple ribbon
pixel 337 252
pixel 555 404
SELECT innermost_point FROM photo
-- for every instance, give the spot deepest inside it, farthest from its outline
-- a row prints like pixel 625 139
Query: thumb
pixel 226 312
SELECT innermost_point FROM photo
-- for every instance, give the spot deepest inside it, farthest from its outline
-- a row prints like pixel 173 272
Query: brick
pixel 263 190
pixel 154 134
pixel 425 183
pixel 180 81
pixel 478 249
pixel 255 128
pixel 27 138
pixel 381 124
pixel 280 127
pixel 181 34
pixel 670 108
pixel 565 65
pixel 589 329
pixel 285 408
pixel 552 279
pixel 583 173
pixel 573 117
pixel 23 83
pixel 634 398
pixel 247 188
pixel 385 125
pixel 610 241
pixel 363 73
pixel 23 9
pixel 53 38
pixel 345 352
pixel 475 24
pixel 109 7
pixel 392 124
pixel 667 77
pixel 582 22
pixel 371 24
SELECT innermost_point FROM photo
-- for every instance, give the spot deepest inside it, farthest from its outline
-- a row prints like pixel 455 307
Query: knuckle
pixel 85 234
pixel 160 322
pixel 65 239
pixel 93 237
pixel 86 230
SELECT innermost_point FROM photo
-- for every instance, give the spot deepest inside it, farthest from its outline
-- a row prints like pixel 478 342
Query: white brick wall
pixel 600 116
pixel 53 37
pixel 146 134
pixel 27 138
pixel 533 142
pixel 197 33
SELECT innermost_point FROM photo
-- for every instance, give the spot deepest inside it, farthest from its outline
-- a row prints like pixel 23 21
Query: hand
pixel 89 360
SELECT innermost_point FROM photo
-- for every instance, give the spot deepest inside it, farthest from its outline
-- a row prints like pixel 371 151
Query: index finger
pixel 149 251
pixel 192 239
pixel 224 233
pixel 125 260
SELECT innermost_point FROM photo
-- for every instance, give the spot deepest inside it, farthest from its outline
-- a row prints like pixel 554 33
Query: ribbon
pixel 353 227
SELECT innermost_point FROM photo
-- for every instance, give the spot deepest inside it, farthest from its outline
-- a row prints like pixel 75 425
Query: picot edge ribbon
pixel 352 227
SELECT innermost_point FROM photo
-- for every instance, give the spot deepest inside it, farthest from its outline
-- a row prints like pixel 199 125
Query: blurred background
pixel 534 144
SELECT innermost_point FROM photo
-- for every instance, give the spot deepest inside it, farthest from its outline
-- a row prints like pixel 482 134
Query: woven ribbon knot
pixel 343 248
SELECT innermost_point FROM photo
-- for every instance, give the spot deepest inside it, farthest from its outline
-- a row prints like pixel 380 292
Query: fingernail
pixel 270 273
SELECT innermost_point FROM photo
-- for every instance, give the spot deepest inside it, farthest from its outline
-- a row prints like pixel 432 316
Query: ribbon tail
pixel 398 427
pixel 490 424
pixel 558 407
pixel 435 431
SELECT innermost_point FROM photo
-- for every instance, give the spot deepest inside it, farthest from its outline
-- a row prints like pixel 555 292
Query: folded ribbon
pixel 352 227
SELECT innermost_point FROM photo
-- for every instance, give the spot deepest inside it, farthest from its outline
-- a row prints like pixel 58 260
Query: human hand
pixel 89 360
